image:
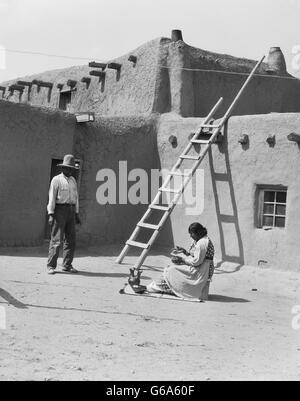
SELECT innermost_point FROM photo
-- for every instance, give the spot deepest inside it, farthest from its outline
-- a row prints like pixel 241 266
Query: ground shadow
pixel 98 275
pixel 82 251
pixel 70 309
pixel 224 299
pixel 232 219
pixel 11 300
pixel 219 271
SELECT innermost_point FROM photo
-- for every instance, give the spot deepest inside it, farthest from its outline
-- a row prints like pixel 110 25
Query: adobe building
pixel 146 105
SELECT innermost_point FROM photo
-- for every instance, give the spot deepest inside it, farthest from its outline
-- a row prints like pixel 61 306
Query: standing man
pixel 63 211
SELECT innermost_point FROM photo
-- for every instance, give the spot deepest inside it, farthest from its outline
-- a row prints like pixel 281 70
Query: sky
pixel 105 29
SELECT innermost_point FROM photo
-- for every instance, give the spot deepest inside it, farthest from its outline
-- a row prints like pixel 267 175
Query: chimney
pixel 176 35
pixel 276 60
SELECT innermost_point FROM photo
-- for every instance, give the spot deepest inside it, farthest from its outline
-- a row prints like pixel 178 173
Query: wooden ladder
pixel 210 133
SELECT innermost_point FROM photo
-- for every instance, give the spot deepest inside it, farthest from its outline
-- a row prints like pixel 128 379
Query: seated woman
pixel 193 271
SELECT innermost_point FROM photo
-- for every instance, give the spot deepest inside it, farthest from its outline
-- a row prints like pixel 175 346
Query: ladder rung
pixel 210 126
pixel 150 226
pixel 188 157
pixel 179 173
pixel 137 244
pixel 170 190
pixel 200 141
pixel 158 207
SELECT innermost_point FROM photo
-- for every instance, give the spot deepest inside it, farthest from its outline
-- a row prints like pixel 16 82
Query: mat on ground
pixel 128 290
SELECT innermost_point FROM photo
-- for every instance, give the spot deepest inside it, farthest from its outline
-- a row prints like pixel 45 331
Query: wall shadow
pixel 222 219
pixel 11 300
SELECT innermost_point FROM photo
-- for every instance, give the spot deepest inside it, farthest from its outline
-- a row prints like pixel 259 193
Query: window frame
pixel 262 189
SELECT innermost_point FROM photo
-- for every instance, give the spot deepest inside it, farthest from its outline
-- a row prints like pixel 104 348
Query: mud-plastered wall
pixel 118 156
pixel 199 78
pixel 129 90
pixel 233 174
pixel 29 139
pixel 263 95
pixel 164 76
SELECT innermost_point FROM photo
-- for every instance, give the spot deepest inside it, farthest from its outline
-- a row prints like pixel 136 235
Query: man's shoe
pixel 70 269
pixel 51 271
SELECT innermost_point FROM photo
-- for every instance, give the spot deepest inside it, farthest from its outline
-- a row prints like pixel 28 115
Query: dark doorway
pixel 55 170
pixel 65 100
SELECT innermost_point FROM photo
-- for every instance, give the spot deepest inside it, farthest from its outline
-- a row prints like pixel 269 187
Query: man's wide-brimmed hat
pixel 69 161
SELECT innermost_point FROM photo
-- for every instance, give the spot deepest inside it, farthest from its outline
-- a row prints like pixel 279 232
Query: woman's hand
pixel 193 269
pixel 181 250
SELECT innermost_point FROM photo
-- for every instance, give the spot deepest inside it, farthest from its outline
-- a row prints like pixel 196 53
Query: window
pixel 272 207
pixel 65 100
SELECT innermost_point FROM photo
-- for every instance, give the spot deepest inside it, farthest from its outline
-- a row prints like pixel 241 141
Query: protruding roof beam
pixel 293 137
pixel 100 74
pixel 132 59
pixel 93 64
pixel 42 84
pixel 114 66
pixel 17 88
pixel 71 83
pixel 86 80
pixel 24 83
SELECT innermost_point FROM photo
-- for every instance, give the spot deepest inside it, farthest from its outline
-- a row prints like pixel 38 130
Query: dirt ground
pixel 68 327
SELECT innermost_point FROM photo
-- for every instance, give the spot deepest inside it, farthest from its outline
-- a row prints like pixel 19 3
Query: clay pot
pixel 276 60
pixel 134 279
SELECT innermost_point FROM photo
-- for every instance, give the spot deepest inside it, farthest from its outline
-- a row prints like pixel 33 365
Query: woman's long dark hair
pixel 198 229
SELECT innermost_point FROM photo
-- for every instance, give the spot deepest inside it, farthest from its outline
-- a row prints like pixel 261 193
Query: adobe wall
pixel 199 78
pixel 166 78
pixel 232 173
pixel 131 91
pixel 103 146
pixel 29 138
pixel 262 96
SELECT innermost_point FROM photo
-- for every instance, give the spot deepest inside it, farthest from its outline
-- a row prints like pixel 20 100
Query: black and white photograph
pixel 149 193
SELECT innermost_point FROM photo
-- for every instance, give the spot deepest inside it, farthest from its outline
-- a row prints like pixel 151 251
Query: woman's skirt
pixel 184 281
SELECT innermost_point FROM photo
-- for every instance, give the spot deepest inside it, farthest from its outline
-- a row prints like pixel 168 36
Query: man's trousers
pixel 63 233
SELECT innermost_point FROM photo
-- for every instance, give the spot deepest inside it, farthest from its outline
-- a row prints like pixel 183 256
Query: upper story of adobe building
pixel 162 76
